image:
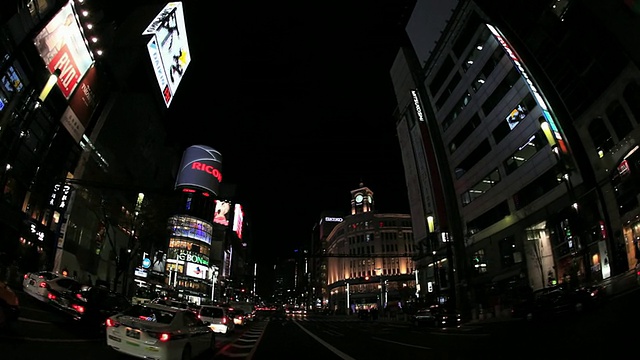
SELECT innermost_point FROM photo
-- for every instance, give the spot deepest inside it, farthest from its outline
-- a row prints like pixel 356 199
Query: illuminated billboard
pixel 196 270
pixel 62 45
pixel 201 169
pixel 168 49
pixel 222 212
pixel 238 218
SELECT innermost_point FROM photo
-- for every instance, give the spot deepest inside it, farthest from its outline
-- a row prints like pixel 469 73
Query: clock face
pixel 359 198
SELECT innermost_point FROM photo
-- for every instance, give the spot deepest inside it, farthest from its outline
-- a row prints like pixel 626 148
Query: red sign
pixel 69 75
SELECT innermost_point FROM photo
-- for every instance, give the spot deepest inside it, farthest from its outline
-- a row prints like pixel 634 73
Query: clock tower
pixel 361 200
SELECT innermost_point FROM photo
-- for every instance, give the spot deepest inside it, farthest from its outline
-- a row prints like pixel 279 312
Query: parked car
pixel 219 318
pixel 35 284
pixel 561 300
pixel 437 316
pixel 91 306
pixel 155 331
pixel 9 305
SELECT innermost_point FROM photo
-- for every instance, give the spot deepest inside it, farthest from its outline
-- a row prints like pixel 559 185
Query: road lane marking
pixel 327 345
pixel 403 344
pixel 33 321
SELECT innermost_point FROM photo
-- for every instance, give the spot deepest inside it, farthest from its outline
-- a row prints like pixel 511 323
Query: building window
pixel 600 135
pixel 508 251
pixel 481 187
pixel 478 262
pixel 525 152
pixel 619 120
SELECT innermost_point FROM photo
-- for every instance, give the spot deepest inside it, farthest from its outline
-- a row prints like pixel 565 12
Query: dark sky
pixel 297 97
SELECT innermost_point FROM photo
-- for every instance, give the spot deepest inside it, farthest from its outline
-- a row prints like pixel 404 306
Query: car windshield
pixel 47 275
pixel 212 312
pixel 150 314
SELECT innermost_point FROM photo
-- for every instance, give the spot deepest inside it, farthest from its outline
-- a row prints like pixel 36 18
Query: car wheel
pixel 186 352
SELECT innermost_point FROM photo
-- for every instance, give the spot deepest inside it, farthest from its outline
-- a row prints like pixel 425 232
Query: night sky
pixel 298 99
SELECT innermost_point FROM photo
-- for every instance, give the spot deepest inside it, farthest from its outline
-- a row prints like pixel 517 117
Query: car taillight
pixel 43 285
pixel 162 336
pixel 51 296
pixel 110 322
pixel 224 319
pixel 26 276
pixel 78 308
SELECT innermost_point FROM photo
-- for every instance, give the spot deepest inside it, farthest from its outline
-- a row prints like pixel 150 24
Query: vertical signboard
pixel 168 49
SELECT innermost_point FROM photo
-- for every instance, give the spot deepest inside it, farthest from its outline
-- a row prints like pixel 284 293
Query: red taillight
pixel 78 308
pixel 43 285
pixel 26 276
pixel 51 296
pixel 111 322
pixel 163 337
pixel 224 319
pixel 638 272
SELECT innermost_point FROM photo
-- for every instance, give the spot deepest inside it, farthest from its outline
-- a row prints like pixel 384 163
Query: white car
pixel 219 318
pixel 35 284
pixel 154 331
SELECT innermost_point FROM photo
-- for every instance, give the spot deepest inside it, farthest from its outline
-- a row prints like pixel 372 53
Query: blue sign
pixel 146 263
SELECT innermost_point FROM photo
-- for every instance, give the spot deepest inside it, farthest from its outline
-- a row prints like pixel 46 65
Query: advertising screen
pixel 200 169
pixel 196 270
pixel 222 212
pixel 168 49
pixel 238 218
pixel 62 45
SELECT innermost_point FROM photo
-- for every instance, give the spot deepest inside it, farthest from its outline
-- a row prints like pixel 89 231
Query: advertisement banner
pixel 168 49
pixel 196 270
pixel 62 45
pixel 201 169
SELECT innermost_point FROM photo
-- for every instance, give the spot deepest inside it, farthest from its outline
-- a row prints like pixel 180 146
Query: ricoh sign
pixel 200 168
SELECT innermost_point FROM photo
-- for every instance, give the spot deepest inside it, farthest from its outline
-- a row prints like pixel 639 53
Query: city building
pixel 519 134
pixel 369 259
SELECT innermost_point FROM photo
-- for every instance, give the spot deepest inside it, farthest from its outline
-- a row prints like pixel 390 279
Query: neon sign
pixel 539 98
pixel 208 169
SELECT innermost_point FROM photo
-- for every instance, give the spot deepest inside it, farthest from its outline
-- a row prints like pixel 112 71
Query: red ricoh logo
pixel 208 169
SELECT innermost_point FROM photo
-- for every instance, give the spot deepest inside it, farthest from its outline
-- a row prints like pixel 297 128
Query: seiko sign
pixel 200 168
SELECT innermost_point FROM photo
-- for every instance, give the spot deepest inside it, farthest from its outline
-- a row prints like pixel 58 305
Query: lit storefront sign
pixel 416 104
pixel 60 197
pixel 188 256
pixel 333 219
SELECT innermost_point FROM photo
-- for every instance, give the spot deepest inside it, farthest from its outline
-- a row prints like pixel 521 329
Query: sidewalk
pixel 614 286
